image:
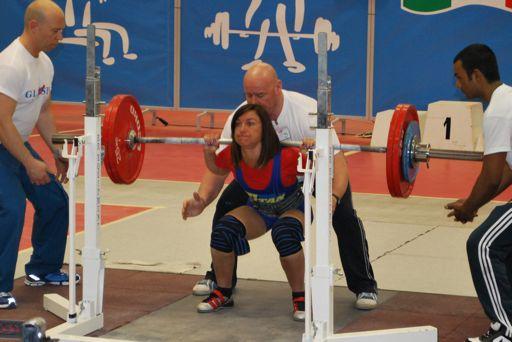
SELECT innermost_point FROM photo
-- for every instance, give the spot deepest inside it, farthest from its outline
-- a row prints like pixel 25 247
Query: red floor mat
pixel 444 178
pixel 109 213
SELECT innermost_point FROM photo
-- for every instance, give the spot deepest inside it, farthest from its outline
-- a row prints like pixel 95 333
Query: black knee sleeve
pixel 287 234
pixel 228 235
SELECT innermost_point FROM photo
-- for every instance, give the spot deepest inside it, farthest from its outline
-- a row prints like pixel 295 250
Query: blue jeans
pixel 50 227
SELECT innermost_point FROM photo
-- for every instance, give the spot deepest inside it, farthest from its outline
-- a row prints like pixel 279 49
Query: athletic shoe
pixel 215 302
pixel 55 278
pixel 496 333
pixel 299 313
pixel 7 301
pixel 204 287
pixel 366 301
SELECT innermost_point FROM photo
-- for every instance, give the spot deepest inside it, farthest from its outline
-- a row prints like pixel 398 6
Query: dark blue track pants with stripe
pixel 489 250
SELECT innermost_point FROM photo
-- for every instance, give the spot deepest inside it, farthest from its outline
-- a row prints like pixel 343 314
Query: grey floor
pixel 413 247
pixel 262 312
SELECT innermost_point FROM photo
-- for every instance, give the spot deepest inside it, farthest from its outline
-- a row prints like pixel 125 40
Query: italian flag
pixel 428 7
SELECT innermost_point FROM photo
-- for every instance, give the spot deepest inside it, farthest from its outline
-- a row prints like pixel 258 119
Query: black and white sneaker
pixel 204 287
pixel 7 301
pixel 366 301
pixel 496 333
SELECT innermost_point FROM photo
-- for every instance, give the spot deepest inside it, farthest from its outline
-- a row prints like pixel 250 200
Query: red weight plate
pixel 398 186
pixel 122 116
pixel 108 137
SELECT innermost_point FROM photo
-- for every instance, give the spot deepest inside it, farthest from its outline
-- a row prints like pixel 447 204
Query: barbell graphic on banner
pixel 124 139
pixel 220 32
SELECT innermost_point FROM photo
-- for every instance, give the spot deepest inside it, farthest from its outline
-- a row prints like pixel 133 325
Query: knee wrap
pixel 287 234
pixel 228 235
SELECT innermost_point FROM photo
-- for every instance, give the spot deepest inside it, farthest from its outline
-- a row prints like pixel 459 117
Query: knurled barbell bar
pixel 124 139
pixel 220 30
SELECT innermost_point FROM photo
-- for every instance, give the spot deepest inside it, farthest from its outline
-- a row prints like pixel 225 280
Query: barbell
pixel 124 139
pixel 220 31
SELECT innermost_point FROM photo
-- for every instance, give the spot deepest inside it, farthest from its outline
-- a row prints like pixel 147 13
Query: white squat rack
pixel 88 316
pixel 319 278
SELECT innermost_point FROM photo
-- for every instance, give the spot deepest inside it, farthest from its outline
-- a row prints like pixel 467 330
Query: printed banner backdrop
pixel 415 43
pixel 212 74
pixel 415 47
pixel 11 21
pixel 134 53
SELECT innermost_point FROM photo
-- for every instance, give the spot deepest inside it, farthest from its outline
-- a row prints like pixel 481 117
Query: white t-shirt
pixel 498 123
pixel 28 81
pixel 293 123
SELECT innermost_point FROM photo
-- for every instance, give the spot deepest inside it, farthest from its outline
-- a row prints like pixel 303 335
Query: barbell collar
pixel 421 152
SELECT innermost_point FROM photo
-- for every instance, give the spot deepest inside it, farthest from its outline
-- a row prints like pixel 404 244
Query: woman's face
pixel 248 129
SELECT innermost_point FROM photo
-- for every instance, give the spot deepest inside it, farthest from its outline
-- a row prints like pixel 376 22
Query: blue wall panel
pixel 414 53
pixel 138 61
pixel 212 75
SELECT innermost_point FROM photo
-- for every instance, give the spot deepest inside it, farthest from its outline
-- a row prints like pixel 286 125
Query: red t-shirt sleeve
pixel 289 156
pixel 224 160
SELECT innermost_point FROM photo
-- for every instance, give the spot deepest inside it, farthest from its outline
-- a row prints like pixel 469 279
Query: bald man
pixel 289 112
pixel 25 92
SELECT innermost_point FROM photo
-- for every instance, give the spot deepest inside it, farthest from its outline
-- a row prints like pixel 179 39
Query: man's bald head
pixel 40 11
pixel 44 25
pixel 263 87
pixel 261 71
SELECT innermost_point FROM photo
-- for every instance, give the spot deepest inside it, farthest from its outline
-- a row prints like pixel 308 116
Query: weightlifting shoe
pixel 7 301
pixel 299 313
pixel 204 287
pixel 215 301
pixel 496 333
pixel 54 278
pixel 366 301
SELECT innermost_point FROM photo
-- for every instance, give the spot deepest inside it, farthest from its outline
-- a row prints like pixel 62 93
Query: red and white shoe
pixel 215 301
pixel 299 313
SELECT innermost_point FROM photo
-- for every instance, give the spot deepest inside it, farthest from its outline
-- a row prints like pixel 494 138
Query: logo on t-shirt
pixel 282 132
pixel 41 91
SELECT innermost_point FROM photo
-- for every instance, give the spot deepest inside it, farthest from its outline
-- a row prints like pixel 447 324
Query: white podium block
pixel 381 127
pixel 454 125
pixel 422 116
